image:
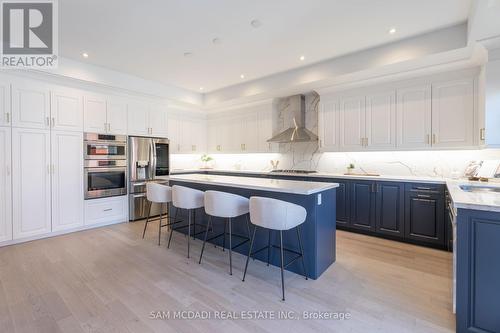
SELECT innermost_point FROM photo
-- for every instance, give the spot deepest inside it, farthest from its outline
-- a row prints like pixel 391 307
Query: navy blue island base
pixel 318 231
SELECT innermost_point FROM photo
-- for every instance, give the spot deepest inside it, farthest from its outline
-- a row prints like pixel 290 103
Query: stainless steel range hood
pixel 295 117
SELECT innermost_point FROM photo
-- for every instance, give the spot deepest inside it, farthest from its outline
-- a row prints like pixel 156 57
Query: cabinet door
pixel 158 121
pixel 381 120
pixel 30 105
pixel 265 129
pixel 213 128
pixel 328 125
pixel 116 116
pixel 67 180
pixel 362 205
pixel 5 115
pixel 424 217
pixel 414 117
pixel 67 110
pixel 138 118
pixel 352 123
pixel 199 136
pixel 94 114
pixel 174 132
pixel 342 201
pixel 390 209
pixel 5 185
pixel 453 114
pixel 31 182
pixel 248 132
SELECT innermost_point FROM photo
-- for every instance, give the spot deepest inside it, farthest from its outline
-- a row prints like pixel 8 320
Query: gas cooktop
pixel 293 171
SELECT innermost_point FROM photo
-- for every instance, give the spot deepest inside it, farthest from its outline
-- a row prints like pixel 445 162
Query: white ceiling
pixel 148 38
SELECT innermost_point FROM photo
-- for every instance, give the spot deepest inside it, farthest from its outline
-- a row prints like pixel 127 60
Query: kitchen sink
pixel 479 188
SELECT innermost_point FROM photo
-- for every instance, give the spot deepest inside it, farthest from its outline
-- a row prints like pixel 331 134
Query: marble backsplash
pixel 306 155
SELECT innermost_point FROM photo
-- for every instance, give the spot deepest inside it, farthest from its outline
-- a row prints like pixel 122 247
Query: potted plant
pixel 206 159
pixel 350 168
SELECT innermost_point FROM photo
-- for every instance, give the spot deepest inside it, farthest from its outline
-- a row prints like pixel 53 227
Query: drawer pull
pixel 423 196
pixel 423 188
pixel 108 210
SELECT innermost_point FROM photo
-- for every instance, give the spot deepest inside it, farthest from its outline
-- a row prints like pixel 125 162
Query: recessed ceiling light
pixel 216 41
pixel 242 76
pixel 85 55
pixel 302 58
pixel 201 88
pixel 392 31
pixel 187 54
pixel 256 23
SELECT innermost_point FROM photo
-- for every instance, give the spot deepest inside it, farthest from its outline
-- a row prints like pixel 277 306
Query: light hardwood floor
pixel 110 280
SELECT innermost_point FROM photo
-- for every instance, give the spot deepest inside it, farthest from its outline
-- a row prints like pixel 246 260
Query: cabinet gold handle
pixel 7 117
pixel 434 140
pixel 47 121
pixel 193 148
pixel 482 134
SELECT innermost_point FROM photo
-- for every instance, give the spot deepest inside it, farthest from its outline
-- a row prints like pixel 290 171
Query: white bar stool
pixel 277 215
pixel 190 199
pixel 227 206
pixel 162 195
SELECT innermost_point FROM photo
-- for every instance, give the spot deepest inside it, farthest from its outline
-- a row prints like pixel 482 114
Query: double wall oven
pixel 105 165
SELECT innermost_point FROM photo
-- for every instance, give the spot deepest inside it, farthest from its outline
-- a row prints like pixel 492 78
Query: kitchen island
pixel 317 198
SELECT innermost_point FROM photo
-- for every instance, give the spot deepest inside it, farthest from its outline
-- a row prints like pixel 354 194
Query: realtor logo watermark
pixel 29 34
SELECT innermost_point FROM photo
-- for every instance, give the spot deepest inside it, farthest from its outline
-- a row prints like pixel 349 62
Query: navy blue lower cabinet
pixel 390 209
pixel 478 271
pixel 343 207
pixel 424 217
pixel 362 199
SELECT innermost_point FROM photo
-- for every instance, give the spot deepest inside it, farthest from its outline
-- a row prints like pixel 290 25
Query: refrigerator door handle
pixel 153 160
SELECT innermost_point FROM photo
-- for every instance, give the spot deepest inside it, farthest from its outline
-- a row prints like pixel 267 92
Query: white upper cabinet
pixel 414 113
pixel 381 120
pixel 147 119
pixel 5 185
pixel 31 190
pixel 95 114
pixel 5 113
pixel 174 132
pixel 67 180
pixel 138 118
pixel 158 121
pixel 352 123
pixel 453 114
pixel 248 132
pixel 30 104
pixel 116 116
pixel 66 109
pixel 329 124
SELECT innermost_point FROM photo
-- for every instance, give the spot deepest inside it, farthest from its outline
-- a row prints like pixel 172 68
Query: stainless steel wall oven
pixel 105 165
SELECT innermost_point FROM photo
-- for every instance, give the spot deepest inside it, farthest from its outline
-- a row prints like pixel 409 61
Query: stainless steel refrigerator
pixel 149 161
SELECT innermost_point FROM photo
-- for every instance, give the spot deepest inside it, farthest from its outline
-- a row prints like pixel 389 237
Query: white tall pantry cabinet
pixel 31 171
pixel 5 185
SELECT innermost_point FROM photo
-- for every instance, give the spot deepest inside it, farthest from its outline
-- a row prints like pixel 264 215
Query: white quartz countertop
pixel 487 201
pixel 262 184
pixel 413 179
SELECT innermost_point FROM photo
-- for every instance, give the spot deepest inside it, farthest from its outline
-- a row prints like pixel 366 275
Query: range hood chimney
pixel 295 117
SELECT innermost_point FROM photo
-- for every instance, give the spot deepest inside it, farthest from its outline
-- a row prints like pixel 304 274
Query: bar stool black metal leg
pixel 189 231
pixel 194 223
pixel 282 266
pixel 302 252
pixel 268 247
pixel 248 225
pixel 172 229
pixel 224 238
pixel 249 252
pixel 205 240
pixel 230 248
pixel 147 220
pixel 159 224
